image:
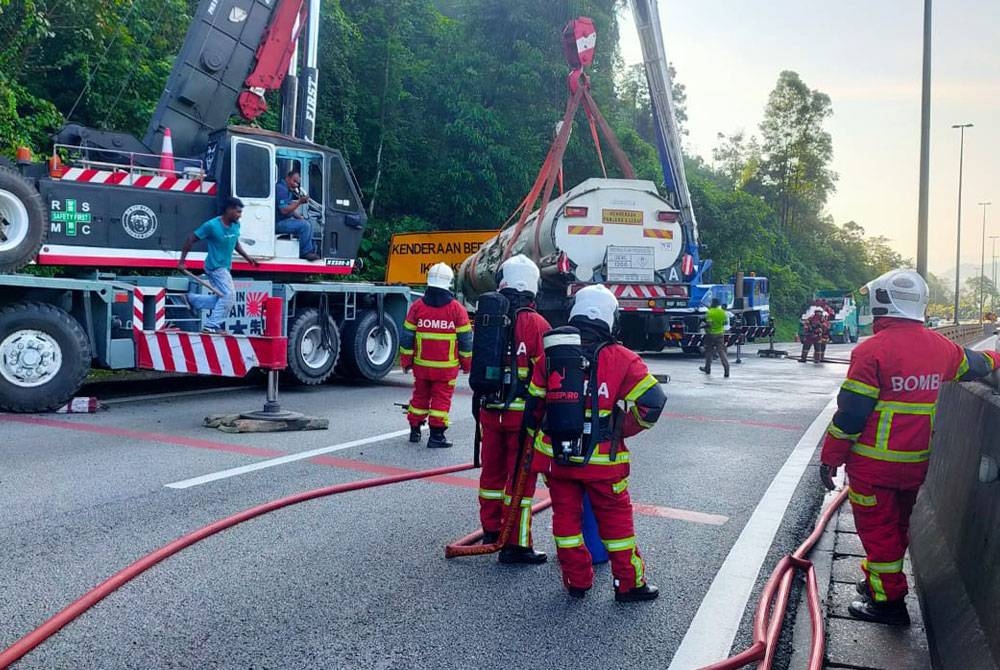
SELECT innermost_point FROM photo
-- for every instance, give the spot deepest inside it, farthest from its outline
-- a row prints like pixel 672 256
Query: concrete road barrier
pixel 955 531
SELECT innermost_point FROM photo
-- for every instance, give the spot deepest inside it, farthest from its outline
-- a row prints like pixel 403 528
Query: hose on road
pixel 36 637
pixel 767 622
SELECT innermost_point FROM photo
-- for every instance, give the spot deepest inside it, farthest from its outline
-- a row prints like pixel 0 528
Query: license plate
pixel 627 217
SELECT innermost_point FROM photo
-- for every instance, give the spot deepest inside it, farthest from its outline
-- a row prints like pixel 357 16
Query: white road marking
pixel 281 460
pixel 710 635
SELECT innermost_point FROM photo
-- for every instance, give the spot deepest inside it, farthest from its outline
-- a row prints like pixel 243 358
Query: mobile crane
pixel 107 200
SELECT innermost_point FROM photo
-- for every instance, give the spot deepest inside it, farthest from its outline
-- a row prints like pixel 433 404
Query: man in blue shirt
pixel 222 237
pixel 290 220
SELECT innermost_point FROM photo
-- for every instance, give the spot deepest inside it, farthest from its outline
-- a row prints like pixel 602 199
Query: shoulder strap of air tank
pixel 593 384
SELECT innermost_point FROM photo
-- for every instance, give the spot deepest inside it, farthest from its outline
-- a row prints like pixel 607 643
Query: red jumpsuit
pixel 435 342
pixel 882 431
pixel 623 377
pixel 500 431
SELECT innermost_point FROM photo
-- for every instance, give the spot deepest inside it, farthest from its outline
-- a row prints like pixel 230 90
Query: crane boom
pixel 234 51
pixel 647 21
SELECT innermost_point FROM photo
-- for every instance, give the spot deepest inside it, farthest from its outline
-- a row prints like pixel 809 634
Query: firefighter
pixel 629 400
pixel 500 417
pixel 882 431
pixel 436 341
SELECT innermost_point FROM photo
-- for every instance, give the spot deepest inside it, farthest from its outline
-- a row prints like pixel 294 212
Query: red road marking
pixel 144 436
pixel 333 461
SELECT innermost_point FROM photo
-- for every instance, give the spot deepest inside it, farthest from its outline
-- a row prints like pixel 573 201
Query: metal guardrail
pixel 966 333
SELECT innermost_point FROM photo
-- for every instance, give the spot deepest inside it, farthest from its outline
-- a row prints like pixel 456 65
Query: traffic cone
pixel 167 155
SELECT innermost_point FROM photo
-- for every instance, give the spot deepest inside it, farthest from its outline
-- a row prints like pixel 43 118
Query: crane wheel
pixel 44 357
pixel 23 226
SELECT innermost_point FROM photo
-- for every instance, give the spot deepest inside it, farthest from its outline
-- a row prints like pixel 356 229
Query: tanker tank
pixel 582 224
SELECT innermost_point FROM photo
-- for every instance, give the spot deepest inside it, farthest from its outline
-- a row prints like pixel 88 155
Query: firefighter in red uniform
pixel 500 419
pixel 436 341
pixel 621 377
pixel 882 431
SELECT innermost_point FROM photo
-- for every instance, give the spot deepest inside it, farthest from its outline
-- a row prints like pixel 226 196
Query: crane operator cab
pixel 291 190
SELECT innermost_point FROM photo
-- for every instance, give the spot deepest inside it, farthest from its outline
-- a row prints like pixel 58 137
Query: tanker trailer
pixel 616 232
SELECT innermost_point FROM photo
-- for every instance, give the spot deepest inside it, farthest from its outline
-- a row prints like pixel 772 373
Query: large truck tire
pixel 309 361
pixel 23 227
pixel 369 351
pixel 44 357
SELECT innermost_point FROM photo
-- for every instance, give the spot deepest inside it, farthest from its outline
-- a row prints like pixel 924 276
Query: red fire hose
pixel 27 643
pixel 767 630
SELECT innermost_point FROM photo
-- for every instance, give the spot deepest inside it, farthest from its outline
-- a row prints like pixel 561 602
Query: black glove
pixel 826 475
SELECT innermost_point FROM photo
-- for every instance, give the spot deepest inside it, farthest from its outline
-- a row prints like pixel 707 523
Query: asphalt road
pixel 359 580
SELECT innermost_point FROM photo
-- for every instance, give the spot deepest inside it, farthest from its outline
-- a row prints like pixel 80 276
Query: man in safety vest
pixel 716 320
pixel 882 431
pixel 500 420
pixel 630 400
pixel 436 341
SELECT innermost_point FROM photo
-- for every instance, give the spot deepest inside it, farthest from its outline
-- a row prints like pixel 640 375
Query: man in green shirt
pixel 222 237
pixel 715 337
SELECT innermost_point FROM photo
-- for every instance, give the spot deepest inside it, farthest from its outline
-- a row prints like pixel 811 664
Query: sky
pixel 867 57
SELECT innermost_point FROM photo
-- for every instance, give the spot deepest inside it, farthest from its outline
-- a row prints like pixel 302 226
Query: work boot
pixel 725 374
pixel 490 536
pixel 891 614
pixel 576 592
pixel 515 554
pixel 414 434
pixel 707 371
pixel 437 439
pixel 862 588
pixel 638 594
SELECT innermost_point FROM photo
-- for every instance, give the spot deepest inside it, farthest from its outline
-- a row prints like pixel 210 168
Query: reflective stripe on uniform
pixel 413 410
pixel 491 494
pixel 837 433
pixel 569 541
pixel 878 591
pixel 409 325
pixel 623 544
pixel 516 405
pixel 464 329
pixel 861 500
pixel 438 414
pixel 620 486
pixel 522 373
pixel 963 367
pixel 899 407
pixel 406 352
pixel 638 418
pixel 854 386
pixel 525 502
pixel 436 337
pixel 647 382
pixel 537 391
pixel 435 364
pixel 891 455
pixel 597 459
pixel 885 568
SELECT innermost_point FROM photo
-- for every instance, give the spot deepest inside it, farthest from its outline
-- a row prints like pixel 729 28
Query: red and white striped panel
pixel 200 353
pixel 139 293
pixel 123 178
pixel 638 291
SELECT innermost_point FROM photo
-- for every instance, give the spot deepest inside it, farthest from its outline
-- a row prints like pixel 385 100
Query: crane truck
pixel 107 205
pixel 623 234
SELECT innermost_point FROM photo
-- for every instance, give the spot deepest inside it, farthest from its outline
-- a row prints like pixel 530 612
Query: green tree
pixel 797 150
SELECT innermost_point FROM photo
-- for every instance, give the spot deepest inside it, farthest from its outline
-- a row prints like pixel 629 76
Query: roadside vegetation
pixel 446 109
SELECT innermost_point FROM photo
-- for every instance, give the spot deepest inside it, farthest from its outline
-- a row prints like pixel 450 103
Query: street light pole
pixel 958 243
pixel 982 264
pixel 925 144
pixel 993 300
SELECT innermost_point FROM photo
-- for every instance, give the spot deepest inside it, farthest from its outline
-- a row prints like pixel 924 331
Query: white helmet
pixel 520 274
pixel 441 276
pixel 898 294
pixel 596 302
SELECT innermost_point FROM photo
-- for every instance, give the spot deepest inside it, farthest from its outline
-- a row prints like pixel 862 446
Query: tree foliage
pixel 446 109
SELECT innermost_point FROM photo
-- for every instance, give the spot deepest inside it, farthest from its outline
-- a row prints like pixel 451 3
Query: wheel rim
pixel 378 346
pixel 29 358
pixel 13 221
pixel 311 350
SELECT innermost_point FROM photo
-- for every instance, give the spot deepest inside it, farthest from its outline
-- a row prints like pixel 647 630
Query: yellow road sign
pixel 412 254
